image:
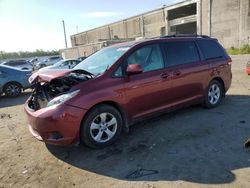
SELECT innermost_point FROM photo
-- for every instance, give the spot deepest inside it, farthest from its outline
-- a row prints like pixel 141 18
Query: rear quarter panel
pixel 222 69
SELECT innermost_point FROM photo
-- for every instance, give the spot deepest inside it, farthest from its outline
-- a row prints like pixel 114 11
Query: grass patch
pixel 236 51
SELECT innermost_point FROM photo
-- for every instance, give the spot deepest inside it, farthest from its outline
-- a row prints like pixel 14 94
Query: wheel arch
pixel 125 125
pixel 220 80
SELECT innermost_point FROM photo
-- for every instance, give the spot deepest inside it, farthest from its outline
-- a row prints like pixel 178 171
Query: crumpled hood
pixel 48 75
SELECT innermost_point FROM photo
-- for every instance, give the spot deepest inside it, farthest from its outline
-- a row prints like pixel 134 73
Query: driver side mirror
pixel 134 69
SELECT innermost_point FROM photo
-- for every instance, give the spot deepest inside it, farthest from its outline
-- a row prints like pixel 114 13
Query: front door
pixel 148 91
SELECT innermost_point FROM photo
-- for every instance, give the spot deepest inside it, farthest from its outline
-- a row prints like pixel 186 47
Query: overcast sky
pixel 27 25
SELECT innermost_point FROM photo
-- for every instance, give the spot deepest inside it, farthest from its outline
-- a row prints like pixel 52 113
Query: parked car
pixel 21 64
pixel 34 61
pixel 48 61
pixel 63 64
pixel 125 83
pixel 82 58
pixel 13 81
pixel 248 68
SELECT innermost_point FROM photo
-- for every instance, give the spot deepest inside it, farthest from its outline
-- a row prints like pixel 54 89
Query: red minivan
pixel 122 84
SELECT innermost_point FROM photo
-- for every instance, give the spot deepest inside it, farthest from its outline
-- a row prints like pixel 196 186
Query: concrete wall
pixel 226 20
pixel 91 36
pixel 83 50
pixel 244 26
pixel 154 24
pixel 148 25
pixel 133 27
pixel 230 21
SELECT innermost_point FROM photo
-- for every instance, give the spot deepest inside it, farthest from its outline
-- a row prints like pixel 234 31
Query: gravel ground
pixel 193 147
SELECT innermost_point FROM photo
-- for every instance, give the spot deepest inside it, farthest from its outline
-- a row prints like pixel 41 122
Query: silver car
pixel 63 64
pixel 47 62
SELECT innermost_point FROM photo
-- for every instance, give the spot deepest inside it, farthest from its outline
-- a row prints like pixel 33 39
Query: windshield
pixel 100 61
pixel 57 64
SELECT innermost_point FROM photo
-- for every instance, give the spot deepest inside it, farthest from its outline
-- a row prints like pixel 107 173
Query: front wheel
pixel 101 127
pixel 214 94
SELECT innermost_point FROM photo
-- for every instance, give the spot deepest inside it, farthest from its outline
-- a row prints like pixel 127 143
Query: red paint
pixel 248 70
pixel 48 75
pixel 63 119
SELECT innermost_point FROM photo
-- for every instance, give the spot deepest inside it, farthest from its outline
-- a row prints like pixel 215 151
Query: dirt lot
pixel 194 147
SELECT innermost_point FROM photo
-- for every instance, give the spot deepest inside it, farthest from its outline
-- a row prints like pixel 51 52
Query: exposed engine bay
pixel 44 91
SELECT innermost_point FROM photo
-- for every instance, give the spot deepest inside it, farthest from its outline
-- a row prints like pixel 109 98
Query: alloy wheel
pixel 103 127
pixel 214 94
pixel 13 90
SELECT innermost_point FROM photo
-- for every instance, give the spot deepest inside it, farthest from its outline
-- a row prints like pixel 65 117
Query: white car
pixel 47 62
pixel 63 64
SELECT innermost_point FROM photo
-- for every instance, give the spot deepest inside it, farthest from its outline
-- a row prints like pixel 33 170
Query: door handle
pixel 165 75
pixel 177 73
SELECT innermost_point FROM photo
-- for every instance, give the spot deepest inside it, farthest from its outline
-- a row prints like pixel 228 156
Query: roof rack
pixel 184 35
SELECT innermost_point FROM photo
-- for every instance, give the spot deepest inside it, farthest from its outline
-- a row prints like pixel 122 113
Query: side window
pixel 118 72
pixel 211 49
pixel 65 63
pixel 21 63
pixel 13 63
pixel 181 52
pixel 149 57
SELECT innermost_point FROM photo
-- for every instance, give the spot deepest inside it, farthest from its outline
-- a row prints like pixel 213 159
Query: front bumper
pixel 57 125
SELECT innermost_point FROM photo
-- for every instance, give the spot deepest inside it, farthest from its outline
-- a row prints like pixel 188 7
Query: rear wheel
pixel 12 89
pixel 214 94
pixel 101 127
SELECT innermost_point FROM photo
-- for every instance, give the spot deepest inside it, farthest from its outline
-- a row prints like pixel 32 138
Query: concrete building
pixel 226 20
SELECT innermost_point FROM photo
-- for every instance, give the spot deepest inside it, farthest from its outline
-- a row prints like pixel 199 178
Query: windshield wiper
pixel 106 68
pixel 81 71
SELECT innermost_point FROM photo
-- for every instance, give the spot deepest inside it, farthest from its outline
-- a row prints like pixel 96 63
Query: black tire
pixel 89 133
pixel 12 89
pixel 214 94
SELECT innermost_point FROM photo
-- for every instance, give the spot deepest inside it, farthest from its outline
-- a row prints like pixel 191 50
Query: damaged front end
pixel 53 87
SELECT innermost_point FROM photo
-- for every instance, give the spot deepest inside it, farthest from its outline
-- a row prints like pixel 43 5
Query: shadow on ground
pixel 195 144
pixel 13 101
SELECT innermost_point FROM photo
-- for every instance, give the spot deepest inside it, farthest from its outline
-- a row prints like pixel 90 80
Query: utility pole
pixel 64 34
pixel 210 6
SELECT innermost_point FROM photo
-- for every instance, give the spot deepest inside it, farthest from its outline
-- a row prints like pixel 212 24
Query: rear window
pixel 181 52
pixel 12 63
pixel 211 49
pixel 21 63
